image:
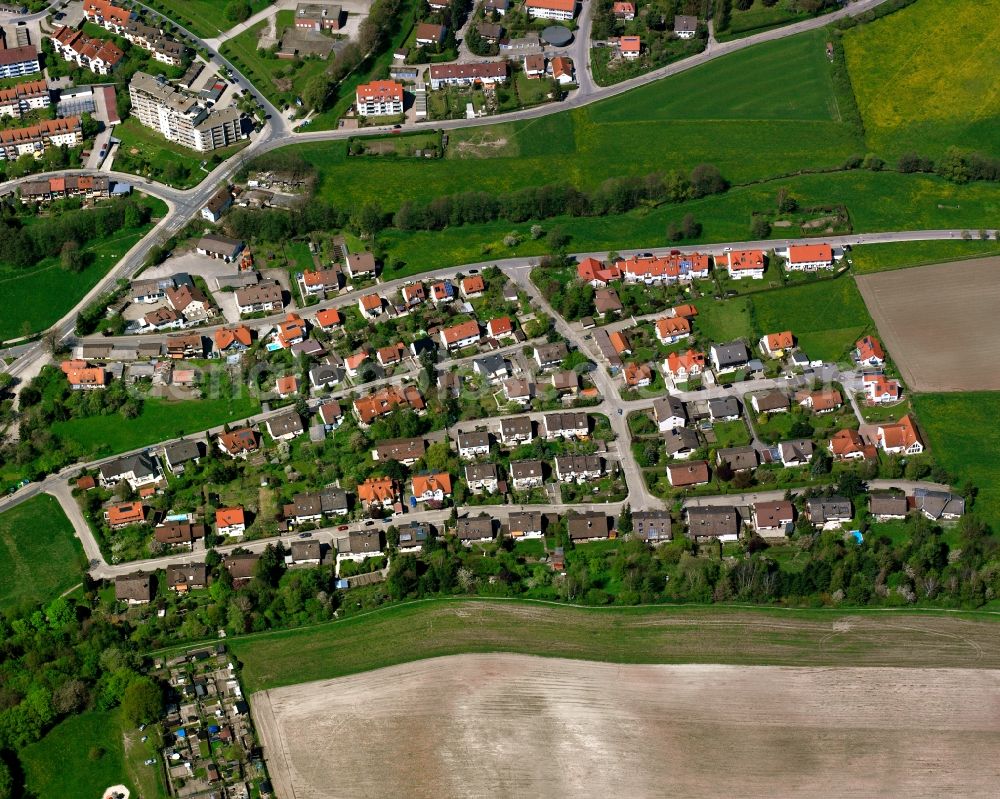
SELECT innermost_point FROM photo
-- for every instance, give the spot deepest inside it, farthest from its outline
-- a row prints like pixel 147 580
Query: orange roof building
pixel 501 326
pixel 620 342
pixel 809 257
pixel 82 377
pixel 868 351
pixel 329 318
pixel 239 443
pixel 597 273
pixel 378 491
pixel 745 263
pixel 775 344
pixel 900 438
pixel 126 514
pixel 638 375
pixel 689 312
pixel 473 286
pixel 292 330
pixel 431 486
pixel 672 328
pixel 682 365
pixel 239 337
pixel 461 335
pixel 849 445
pixel 665 268
pixel 880 389
pixel 287 385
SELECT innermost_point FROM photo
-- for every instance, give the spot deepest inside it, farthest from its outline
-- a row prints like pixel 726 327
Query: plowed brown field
pixel 501 725
pixel 940 323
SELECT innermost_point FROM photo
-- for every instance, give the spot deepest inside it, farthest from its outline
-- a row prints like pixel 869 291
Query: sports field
pixel 403 633
pixel 512 726
pixel 39 555
pixel 925 77
pixel 940 323
pixel 702 115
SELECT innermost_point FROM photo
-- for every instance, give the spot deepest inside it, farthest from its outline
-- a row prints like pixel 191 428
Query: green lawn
pixel 62 290
pixel 41 556
pixel 623 635
pixel 279 80
pixel 731 434
pixel 204 18
pixel 703 115
pixel 145 152
pixel 876 201
pixel 93 743
pixel 901 255
pixel 925 77
pixel 826 316
pixel 962 435
pixel 100 436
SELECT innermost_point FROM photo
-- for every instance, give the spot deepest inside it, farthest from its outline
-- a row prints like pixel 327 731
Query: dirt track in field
pixel 519 726
pixel 940 323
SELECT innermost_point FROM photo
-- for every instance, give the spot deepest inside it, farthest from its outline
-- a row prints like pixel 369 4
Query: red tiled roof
pixel 461 331
pixel 805 253
pixel 329 317
pixel 672 326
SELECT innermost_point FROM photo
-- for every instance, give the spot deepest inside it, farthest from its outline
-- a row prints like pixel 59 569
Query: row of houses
pixel 23 98
pixel 93 187
pixel 36 139
pixel 127 24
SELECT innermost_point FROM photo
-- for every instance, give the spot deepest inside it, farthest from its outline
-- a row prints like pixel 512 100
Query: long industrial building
pixel 180 117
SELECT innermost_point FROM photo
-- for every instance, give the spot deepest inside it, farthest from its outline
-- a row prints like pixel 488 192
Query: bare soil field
pixel 940 323
pixel 501 725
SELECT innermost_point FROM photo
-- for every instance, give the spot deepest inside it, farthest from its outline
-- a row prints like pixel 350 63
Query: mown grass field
pixel 404 633
pixel 39 555
pixel 99 436
pixel 963 436
pixel 925 77
pixel 205 18
pixel 876 201
pixel 900 255
pixel 703 115
pixel 78 758
pixel 760 17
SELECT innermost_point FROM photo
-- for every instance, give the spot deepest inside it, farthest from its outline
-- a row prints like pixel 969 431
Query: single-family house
pixel 881 390
pixel 549 356
pixel 469 530
pixel 847 445
pixel 589 526
pixel 413 536
pixel 519 390
pixel 685 475
pixel 681 442
pixel 685 26
pixel 361 265
pixel 220 247
pixel 239 443
pixel 683 366
pixel 565 381
pixel 370 306
pixel 135 588
pixel 473 444
pixel 773 519
pixel 597 273
pixel 671 329
pixel 525 524
pixel 885 507
pixel 868 352
pixel 180 454
pixel 515 430
pixel 406 451
pixel 378 491
pixel 638 375
pixel 492 368
pixel 740 459
pixel 125 514
pixel 727 357
pixel 500 327
pixel 285 426
pixel 630 47
pixel 534 65
pixel 431 487
pixel 828 513
pixel 773 401
pixel 808 257
pixel 820 401
pixel 562 70
pixel 774 345
pixel 938 505
pixel 900 438
pixel 745 263
pixel 669 413
pixel 578 468
pixel 652 526
pixel 137 470
pixel 464 334
pixel 525 475
pixel 720 522
pixel 331 414
pixel 286 386
pixel 184 577
pixel 623 10
pixel 797 452
pixel 724 409
pixel 230 522
pixel 482 478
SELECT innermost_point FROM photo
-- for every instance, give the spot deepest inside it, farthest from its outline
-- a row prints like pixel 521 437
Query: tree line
pixel 23 245
pixel 613 196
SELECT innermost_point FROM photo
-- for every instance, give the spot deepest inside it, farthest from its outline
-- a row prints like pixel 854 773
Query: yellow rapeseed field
pixel 926 77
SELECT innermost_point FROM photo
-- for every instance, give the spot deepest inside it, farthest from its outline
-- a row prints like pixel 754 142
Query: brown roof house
pixel 714 521
pixel 135 588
